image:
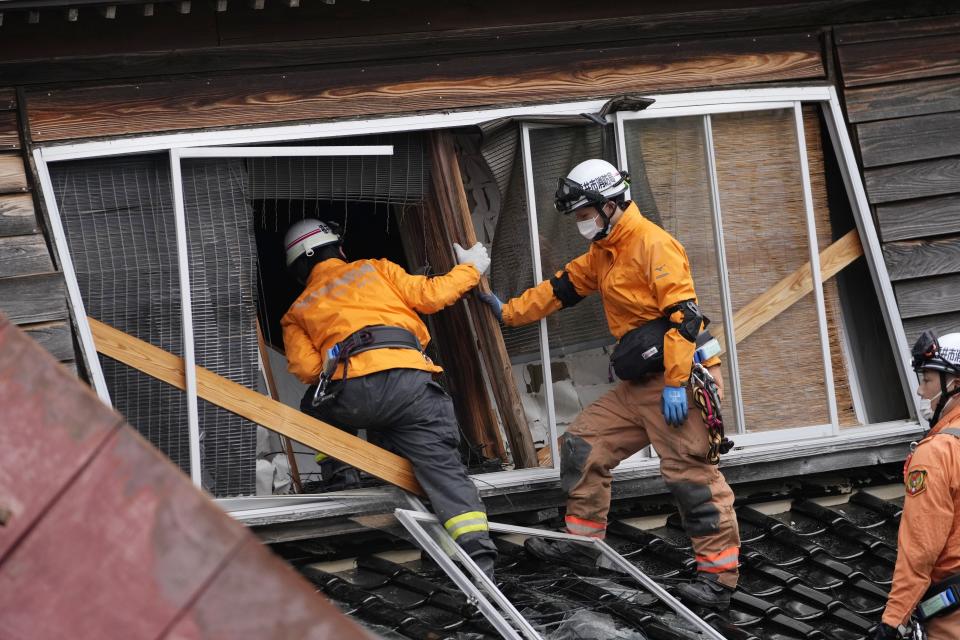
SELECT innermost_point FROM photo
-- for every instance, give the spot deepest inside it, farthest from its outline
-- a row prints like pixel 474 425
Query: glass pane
pixel 670 183
pixel 580 341
pixel 765 235
pixel 118 218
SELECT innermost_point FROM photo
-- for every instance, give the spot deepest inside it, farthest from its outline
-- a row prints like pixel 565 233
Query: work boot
pixel 705 591
pixel 485 561
pixel 579 556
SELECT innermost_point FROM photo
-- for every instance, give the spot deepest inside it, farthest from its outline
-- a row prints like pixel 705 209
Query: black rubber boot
pixel 486 561
pixel 580 557
pixel 705 591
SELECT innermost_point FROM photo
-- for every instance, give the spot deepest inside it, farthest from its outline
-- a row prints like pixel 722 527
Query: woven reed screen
pixel 765 235
pixel 670 184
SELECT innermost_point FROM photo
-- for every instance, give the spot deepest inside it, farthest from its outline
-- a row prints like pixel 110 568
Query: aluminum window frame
pixel 691 103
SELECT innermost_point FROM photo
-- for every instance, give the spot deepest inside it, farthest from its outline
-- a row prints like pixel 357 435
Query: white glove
pixel 476 255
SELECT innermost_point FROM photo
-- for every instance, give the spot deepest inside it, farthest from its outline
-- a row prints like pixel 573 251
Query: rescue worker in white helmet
pixel 926 579
pixel 355 338
pixel 643 277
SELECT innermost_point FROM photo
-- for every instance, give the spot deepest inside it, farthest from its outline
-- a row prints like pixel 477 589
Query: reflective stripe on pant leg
pixel 469 522
pixel 722 562
pixel 583 527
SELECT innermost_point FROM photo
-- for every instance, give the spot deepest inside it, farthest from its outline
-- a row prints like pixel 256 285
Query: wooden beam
pixel 255 407
pixel 314 94
pixel 275 395
pixel 454 208
pixel 793 288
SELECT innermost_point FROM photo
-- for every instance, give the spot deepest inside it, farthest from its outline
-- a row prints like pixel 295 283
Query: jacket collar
pixel 950 418
pixel 626 226
pixel 316 274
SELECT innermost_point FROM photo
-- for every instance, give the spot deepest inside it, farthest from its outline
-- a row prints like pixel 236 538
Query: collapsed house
pixel 154 154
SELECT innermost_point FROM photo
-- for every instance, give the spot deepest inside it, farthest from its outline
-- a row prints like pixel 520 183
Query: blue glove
pixel 674 405
pixel 495 305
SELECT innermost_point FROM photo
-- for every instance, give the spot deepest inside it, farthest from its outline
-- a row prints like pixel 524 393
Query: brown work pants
pixel 944 628
pixel 624 421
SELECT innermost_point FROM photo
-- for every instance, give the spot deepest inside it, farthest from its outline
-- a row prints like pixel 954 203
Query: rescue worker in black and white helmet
pixel 926 579
pixel 355 337
pixel 643 277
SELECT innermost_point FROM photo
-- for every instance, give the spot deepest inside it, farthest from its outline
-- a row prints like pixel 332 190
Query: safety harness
pixel 706 395
pixel 366 339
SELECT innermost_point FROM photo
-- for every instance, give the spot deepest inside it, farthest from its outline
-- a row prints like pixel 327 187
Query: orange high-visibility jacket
pixel 343 297
pixel 928 545
pixel 640 271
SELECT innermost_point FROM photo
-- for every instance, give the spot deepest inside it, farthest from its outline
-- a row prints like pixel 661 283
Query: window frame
pixel 196 144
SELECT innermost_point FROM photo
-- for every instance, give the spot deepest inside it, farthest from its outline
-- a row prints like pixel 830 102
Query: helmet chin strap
pixel 945 397
pixel 600 235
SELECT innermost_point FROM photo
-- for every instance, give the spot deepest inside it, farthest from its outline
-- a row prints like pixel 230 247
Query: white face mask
pixel 588 228
pixel 926 407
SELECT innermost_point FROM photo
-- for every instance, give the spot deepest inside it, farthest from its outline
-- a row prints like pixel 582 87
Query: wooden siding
pixel 902 91
pixel 31 291
pixel 261 99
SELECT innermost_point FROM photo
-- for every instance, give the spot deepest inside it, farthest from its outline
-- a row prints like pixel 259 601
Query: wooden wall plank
pixel 919 218
pixel 13 177
pixel 8 99
pixel 46 437
pixel 9 134
pixel 495 80
pixel 55 337
pixel 37 298
pixel 912 58
pixel 24 255
pixel 942 323
pixel 927 296
pixel 895 29
pixel 17 216
pixel 903 99
pixel 906 139
pixel 919 258
pixel 913 180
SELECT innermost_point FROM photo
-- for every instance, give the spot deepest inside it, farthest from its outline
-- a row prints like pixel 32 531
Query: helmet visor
pixel 925 349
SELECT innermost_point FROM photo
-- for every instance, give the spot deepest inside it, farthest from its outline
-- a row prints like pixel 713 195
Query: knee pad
pixel 573 458
pixel 695 501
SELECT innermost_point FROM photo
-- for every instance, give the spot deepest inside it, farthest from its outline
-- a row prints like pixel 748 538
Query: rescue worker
pixel 642 275
pixel 926 580
pixel 355 337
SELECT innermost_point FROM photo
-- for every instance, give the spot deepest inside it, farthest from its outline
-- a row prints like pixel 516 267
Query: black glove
pixel 885 632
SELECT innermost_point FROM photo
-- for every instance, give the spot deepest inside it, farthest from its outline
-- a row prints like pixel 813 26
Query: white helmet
pixel 590 182
pixel 942 355
pixel 305 236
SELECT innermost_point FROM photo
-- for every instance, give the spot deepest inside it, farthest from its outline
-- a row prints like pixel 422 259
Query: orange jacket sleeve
pixel 669 275
pixel 540 301
pixel 303 359
pixel 429 294
pixel 928 515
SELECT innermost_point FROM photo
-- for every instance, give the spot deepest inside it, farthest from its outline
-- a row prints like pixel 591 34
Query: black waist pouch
pixel 640 351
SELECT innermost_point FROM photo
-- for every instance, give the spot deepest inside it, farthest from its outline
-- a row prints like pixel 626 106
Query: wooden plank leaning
pixel 781 296
pixel 256 407
pixel 456 212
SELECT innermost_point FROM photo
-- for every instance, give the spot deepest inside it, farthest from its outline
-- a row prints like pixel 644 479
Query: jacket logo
pixel 916 482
